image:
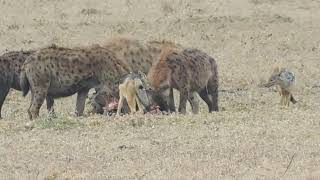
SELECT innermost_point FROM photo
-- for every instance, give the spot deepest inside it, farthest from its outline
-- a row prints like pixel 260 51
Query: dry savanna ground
pixel 250 138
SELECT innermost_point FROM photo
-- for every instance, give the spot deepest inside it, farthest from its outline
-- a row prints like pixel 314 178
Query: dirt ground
pixel 251 137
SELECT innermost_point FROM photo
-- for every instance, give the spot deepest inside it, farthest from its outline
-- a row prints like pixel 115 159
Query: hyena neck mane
pixel 156 47
pixel 56 47
pixel 163 43
pixel 160 71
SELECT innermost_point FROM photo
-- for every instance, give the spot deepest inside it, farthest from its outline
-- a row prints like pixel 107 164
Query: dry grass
pixel 250 138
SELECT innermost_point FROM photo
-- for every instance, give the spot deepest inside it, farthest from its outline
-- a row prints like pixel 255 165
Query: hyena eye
pixel 140 87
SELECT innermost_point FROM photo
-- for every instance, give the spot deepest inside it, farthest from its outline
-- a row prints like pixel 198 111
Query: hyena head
pixel 159 77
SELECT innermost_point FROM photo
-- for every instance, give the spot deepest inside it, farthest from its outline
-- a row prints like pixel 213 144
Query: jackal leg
pixel 288 95
pixel 140 106
pixel 121 99
pixel 282 100
pixel 285 98
pixel 131 99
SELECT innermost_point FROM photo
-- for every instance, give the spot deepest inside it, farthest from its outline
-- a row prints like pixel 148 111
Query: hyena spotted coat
pixel 60 72
pixel 188 71
pixel 10 67
pixel 139 56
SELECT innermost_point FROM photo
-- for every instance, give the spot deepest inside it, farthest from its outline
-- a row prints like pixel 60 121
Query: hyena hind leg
pixel 194 102
pixel 50 103
pixel 4 90
pixel 205 96
pixel 212 89
pixel 171 104
pixel 37 101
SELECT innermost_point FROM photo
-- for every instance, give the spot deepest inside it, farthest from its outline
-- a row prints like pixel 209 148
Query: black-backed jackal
pixel 133 89
pixel 284 80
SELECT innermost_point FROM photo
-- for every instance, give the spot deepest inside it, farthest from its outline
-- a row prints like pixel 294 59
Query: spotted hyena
pixel 60 72
pixel 10 68
pixel 139 56
pixel 188 71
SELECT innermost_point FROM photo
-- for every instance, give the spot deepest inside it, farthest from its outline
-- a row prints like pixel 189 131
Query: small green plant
pixel 58 123
pixel 166 7
pixel 89 11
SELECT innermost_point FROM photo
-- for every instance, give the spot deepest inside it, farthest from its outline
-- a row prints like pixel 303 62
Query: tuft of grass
pixel 13 27
pixel 89 11
pixel 281 18
pixel 58 123
pixel 166 7
pixel 258 2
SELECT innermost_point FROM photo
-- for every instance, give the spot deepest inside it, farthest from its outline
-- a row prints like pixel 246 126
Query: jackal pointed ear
pixel 282 69
pixel 276 69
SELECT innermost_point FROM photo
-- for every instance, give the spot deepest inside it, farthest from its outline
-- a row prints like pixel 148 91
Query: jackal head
pixel 140 86
pixel 282 77
pixel 273 79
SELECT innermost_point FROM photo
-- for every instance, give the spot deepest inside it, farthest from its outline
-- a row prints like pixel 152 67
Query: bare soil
pixel 251 137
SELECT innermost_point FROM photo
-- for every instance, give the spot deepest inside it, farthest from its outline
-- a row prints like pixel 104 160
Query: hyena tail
pixel 24 83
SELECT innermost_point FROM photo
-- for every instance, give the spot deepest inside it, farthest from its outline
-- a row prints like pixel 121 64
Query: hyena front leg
pixel 194 102
pixel 184 94
pixel 171 104
pixel 81 100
